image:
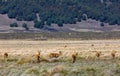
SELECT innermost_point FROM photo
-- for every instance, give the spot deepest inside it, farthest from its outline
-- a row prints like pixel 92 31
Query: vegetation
pixel 102 24
pixel 22 62
pixel 14 25
pixel 61 35
pixel 61 11
pixel 25 26
pixel 39 24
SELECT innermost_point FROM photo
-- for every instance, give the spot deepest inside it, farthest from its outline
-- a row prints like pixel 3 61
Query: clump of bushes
pixel 25 26
pixel 14 25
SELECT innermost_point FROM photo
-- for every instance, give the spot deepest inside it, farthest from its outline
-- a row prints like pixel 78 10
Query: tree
pixel 39 24
pixel 118 22
pixel 14 25
pixel 60 23
pixel 84 17
pixel 25 26
pixel 79 19
pixel 113 22
pixel 72 21
pixel 51 11
pixel 49 22
pixel 102 24
pixel 12 14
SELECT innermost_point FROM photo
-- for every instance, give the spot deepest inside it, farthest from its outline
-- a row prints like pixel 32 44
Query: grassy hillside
pixel 46 12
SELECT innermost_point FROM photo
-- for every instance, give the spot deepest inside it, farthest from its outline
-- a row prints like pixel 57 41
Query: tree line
pixel 61 11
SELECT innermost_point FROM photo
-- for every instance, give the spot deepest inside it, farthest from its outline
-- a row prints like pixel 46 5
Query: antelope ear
pixel 74 52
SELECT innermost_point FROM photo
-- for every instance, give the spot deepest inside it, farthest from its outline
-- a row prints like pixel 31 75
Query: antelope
pixel 92 44
pixel 65 46
pixel 5 55
pixel 113 54
pixel 37 55
pixel 55 55
pixel 74 55
pixel 98 53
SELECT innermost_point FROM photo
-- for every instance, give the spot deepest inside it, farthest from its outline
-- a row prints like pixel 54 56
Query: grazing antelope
pixel 74 55
pixel 98 53
pixel 37 55
pixel 5 55
pixel 65 46
pixel 92 44
pixel 55 55
pixel 113 53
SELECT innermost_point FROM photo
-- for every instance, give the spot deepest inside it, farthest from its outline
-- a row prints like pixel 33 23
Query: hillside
pixel 69 15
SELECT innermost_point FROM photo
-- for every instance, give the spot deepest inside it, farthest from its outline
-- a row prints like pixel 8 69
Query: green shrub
pixel 14 25
pixel 25 26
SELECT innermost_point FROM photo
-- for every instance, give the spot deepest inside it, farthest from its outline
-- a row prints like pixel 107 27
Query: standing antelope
pixel 5 55
pixel 74 55
pixel 65 46
pixel 92 44
pixel 98 53
pixel 37 55
pixel 113 53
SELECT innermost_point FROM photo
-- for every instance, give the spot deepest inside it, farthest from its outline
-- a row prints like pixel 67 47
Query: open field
pixel 21 61
pixel 61 35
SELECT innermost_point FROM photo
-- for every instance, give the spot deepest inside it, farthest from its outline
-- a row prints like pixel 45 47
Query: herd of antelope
pixel 57 55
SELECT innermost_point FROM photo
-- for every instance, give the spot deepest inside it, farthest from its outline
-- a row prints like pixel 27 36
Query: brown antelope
pixel 5 55
pixel 65 46
pixel 92 44
pixel 113 53
pixel 74 55
pixel 37 55
pixel 98 53
pixel 55 55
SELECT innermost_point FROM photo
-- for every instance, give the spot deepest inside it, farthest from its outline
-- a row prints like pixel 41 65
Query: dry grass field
pixel 22 62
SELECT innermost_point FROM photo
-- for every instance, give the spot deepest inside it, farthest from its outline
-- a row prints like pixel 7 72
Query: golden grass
pixel 21 57
pixel 24 47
